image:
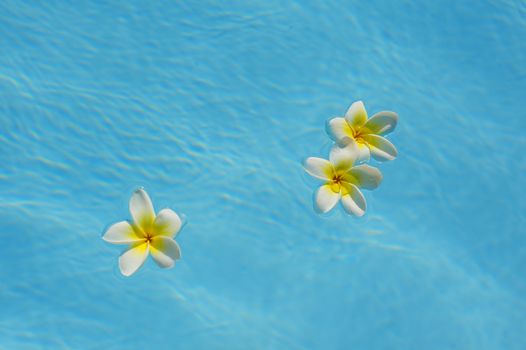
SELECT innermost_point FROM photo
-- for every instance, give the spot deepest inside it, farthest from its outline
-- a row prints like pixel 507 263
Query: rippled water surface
pixel 211 106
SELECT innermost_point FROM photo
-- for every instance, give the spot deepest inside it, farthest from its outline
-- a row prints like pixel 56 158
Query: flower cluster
pixel 356 138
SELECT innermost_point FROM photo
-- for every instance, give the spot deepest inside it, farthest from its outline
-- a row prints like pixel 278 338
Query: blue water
pixel 211 108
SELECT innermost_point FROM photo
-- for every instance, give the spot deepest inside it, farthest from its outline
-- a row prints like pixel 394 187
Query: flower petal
pixel 325 199
pixel 133 258
pixel 356 115
pixel 343 157
pixel 167 223
pixel 338 129
pixel 165 251
pixel 318 167
pixel 141 209
pixel 121 232
pixel 365 176
pixel 353 201
pixel 363 152
pixel 380 148
pixel 381 123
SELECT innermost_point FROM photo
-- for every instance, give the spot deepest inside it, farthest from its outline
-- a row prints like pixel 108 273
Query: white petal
pixel 121 232
pixel 353 201
pixel 318 167
pixel 338 129
pixel 356 115
pixel 325 199
pixel 380 148
pixel 167 223
pixel 365 176
pixel 381 123
pixel 343 157
pixel 363 153
pixel 133 258
pixel 165 251
pixel 141 208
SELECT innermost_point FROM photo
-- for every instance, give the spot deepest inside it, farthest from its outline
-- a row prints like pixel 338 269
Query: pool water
pixel 211 107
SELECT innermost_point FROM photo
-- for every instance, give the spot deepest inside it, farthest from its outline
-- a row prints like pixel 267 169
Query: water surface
pixel 211 106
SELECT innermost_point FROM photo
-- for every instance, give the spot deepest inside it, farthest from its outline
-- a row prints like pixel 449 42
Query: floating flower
pixel 342 179
pixel 149 234
pixel 368 133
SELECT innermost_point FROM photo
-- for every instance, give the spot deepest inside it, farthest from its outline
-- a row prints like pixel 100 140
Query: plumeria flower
pixel 368 133
pixel 342 179
pixel 148 234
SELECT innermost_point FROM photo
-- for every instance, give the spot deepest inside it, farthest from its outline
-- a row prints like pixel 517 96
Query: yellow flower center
pixel 337 178
pixel 148 237
pixel 357 136
pixel 336 182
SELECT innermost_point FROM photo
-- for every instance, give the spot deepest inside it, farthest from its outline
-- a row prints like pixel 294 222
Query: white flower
pixel 342 179
pixel 368 133
pixel 149 234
